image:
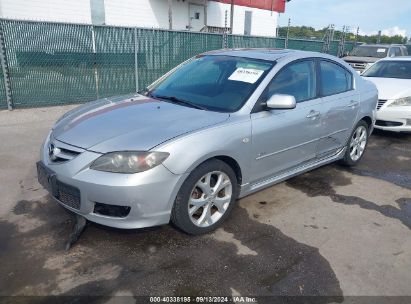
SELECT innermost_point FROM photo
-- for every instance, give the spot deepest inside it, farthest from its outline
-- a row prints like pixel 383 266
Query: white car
pixel 392 76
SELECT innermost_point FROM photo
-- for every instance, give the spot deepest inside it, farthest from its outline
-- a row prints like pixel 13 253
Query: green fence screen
pixel 59 63
pixel 3 101
pixel 49 63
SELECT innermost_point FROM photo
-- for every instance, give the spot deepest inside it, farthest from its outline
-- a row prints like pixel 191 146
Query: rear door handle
pixel 313 114
pixel 353 104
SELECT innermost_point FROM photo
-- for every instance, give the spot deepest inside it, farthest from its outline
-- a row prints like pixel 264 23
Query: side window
pixel 334 79
pixel 297 79
pixel 394 52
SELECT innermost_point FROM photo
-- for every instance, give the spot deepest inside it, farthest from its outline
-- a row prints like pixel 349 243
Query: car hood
pixel 361 59
pixel 391 88
pixel 132 122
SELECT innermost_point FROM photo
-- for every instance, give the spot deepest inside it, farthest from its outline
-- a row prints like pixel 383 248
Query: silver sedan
pixel 216 128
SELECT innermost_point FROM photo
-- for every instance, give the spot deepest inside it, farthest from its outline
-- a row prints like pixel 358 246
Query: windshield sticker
pixel 381 50
pixel 246 75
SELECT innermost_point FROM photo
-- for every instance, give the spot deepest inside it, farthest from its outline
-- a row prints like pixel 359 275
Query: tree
pixel 307 32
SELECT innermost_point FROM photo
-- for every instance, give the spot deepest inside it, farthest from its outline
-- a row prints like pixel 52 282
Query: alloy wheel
pixel 210 198
pixel 358 143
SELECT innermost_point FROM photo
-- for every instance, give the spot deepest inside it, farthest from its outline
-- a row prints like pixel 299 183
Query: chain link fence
pixel 49 63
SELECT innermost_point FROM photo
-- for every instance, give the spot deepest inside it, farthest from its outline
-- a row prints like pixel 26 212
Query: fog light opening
pixel 111 210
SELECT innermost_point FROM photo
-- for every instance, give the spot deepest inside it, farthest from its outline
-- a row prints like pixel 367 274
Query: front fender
pixel 232 139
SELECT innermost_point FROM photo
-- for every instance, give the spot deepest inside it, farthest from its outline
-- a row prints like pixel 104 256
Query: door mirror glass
pixel 281 101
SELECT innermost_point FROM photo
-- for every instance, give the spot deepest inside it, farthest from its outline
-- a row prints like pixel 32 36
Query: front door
pixel 285 139
pixel 196 17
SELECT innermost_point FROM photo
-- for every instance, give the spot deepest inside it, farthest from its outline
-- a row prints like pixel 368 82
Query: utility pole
pixel 288 33
pixel 170 14
pixel 341 46
pixel 357 34
pixel 329 35
pixel 379 37
pixel 205 13
pixel 332 32
pixel 225 31
pixel 6 72
pixel 232 17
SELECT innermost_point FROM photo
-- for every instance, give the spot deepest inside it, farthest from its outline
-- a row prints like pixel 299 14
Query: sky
pixel 390 16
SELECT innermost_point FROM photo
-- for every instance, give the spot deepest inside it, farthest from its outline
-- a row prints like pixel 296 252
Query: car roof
pixel 264 53
pixel 381 45
pixel 398 58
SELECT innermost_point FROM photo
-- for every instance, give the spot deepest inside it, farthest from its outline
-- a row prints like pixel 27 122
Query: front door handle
pixel 353 104
pixel 313 114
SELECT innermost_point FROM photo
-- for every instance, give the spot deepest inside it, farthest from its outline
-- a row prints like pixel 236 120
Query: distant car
pixel 363 56
pixel 221 126
pixel 392 76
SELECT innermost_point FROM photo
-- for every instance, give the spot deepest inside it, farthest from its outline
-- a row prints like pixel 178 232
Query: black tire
pixel 348 160
pixel 180 216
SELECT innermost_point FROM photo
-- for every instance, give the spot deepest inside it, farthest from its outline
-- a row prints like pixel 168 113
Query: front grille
pixel 380 103
pixel 60 152
pixel 68 195
pixel 358 65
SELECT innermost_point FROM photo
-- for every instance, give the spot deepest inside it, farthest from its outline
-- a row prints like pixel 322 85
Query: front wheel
pixel 357 144
pixel 205 198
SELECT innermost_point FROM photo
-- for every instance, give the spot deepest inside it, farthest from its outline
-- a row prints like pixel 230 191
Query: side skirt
pixel 248 189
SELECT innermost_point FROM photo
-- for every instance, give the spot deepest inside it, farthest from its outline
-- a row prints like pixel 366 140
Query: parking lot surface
pixel 334 232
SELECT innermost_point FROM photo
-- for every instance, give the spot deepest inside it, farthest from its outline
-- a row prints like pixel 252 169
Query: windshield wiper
pixel 145 92
pixel 174 99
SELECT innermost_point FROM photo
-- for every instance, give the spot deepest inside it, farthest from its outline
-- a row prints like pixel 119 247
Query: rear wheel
pixel 357 144
pixel 206 198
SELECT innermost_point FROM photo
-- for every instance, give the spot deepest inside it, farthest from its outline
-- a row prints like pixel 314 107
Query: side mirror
pixel 280 101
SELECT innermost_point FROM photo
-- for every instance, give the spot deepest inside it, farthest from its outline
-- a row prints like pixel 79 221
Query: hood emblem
pixel 53 151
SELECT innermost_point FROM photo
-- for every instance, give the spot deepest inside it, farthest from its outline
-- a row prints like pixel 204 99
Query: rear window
pixel 334 79
pixel 369 51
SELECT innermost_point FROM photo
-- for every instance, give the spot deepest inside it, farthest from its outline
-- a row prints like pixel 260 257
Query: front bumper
pixel 396 119
pixel 150 194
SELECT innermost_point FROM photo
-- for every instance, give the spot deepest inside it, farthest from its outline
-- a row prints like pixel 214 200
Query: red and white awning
pixel 271 5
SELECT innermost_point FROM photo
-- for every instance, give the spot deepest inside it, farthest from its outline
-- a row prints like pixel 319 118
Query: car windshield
pixel 212 82
pixel 390 69
pixel 369 51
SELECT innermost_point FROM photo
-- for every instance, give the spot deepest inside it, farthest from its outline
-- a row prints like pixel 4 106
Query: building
pixel 257 18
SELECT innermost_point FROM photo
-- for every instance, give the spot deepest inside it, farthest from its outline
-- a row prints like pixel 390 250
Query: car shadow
pixel 157 261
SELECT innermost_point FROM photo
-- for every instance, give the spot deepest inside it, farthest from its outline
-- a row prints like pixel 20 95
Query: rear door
pixel 284 139
pixel 340 106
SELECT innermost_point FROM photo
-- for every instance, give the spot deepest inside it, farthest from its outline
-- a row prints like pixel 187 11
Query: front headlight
pixel 405 101
pixel 128 161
